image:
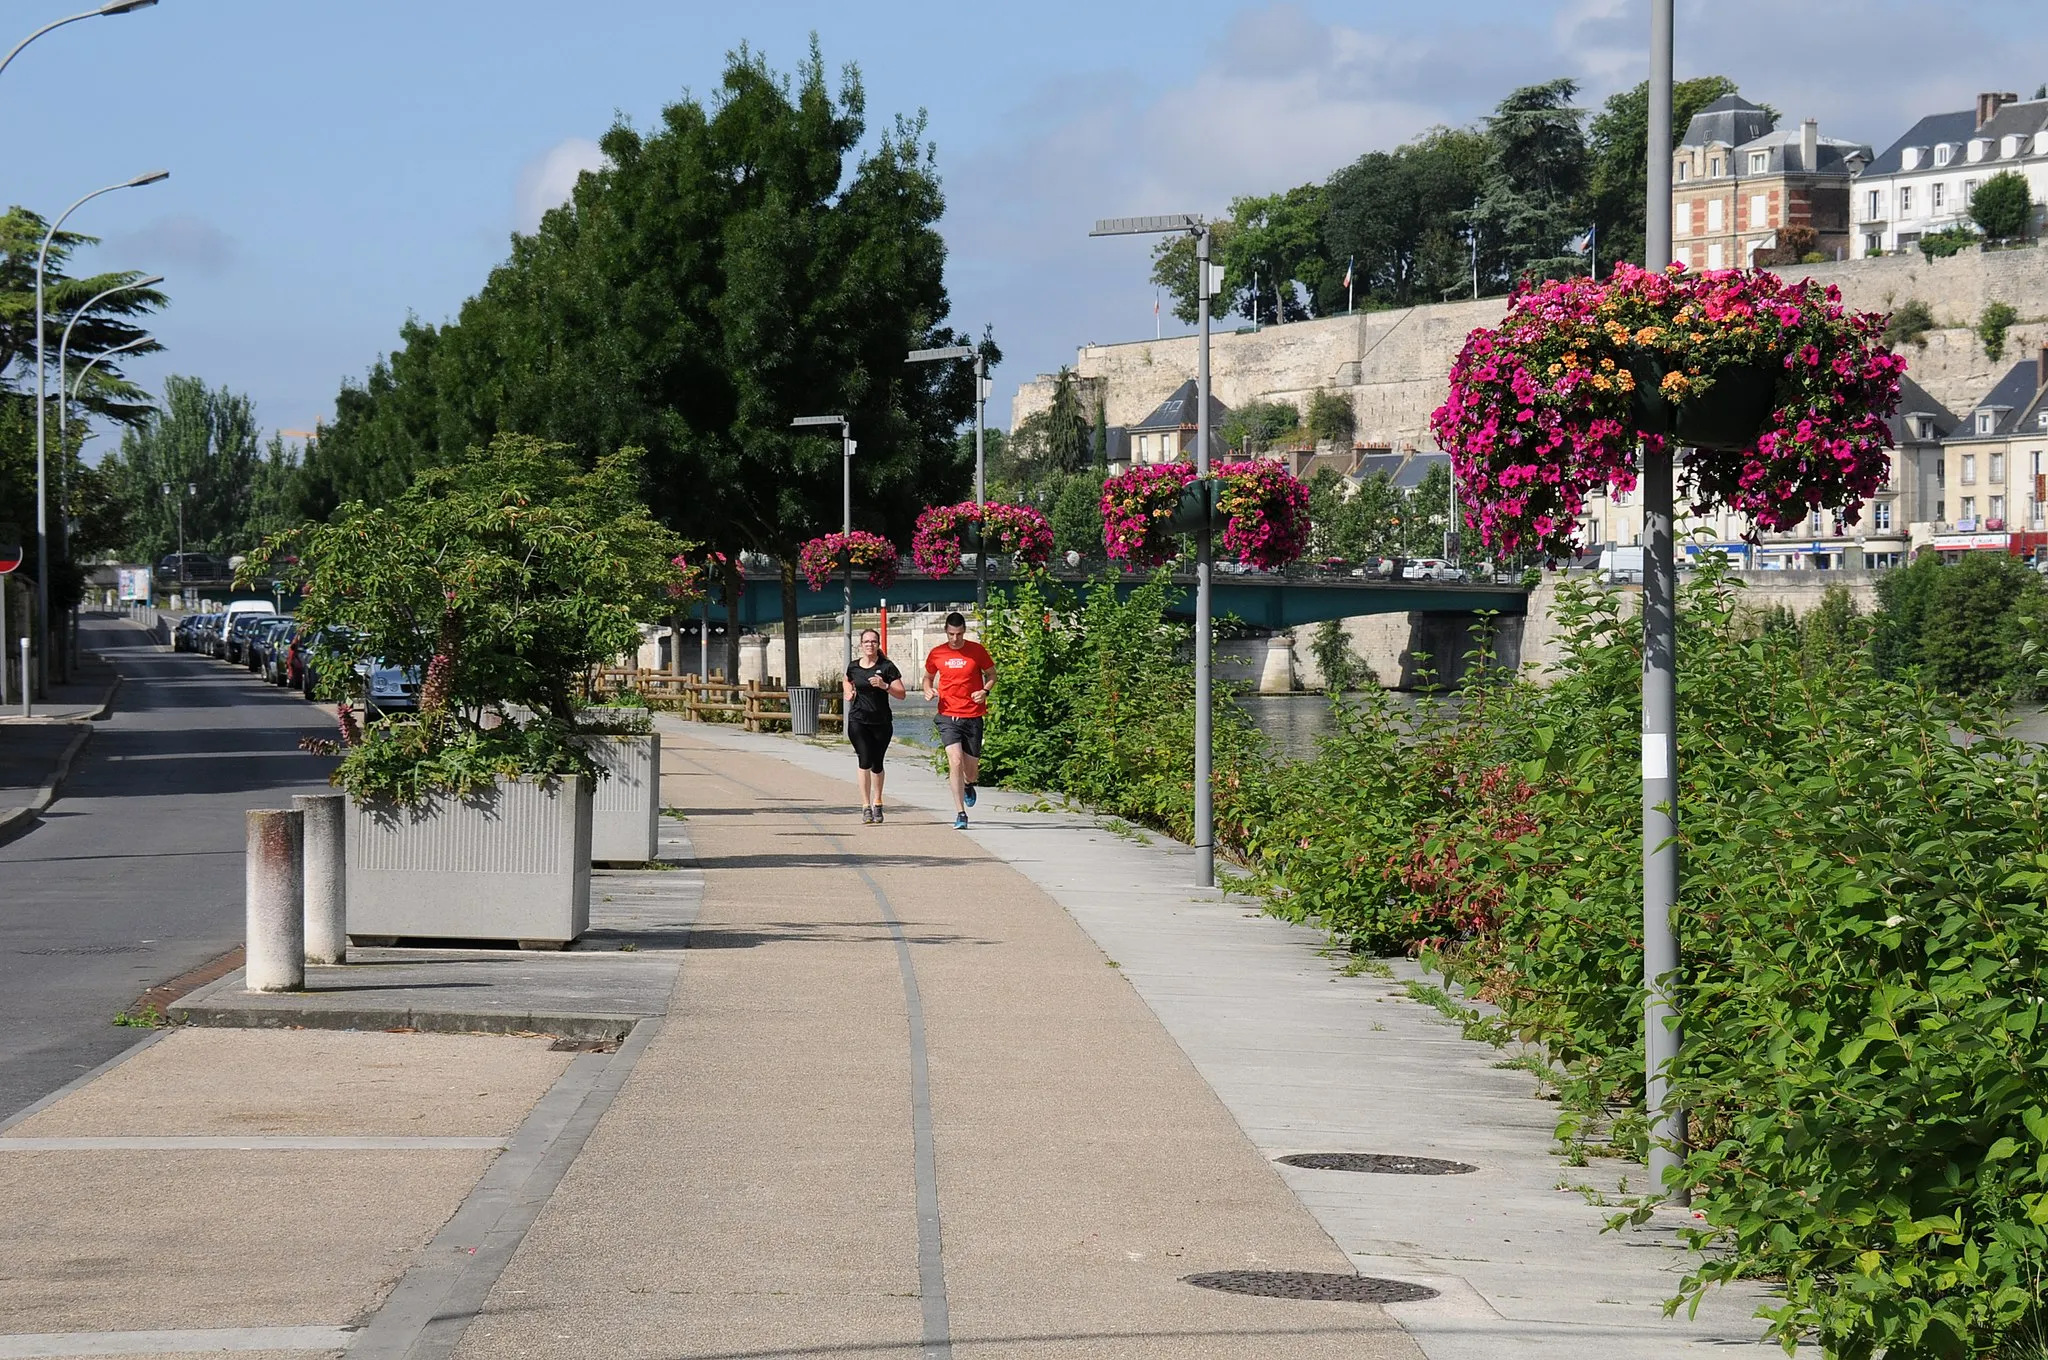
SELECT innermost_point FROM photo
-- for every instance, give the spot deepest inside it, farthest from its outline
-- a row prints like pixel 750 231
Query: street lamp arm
pixel 78 383
pixel 111 8
pixel 64 344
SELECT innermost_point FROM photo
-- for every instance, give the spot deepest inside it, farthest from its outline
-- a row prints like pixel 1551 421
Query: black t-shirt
pixel 871 705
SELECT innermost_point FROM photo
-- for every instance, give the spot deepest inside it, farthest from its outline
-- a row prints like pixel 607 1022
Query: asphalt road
pixel 134 875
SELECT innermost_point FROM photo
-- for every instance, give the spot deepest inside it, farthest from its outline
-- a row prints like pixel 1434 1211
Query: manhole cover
pixel 1382 1163
pixel 1310 1284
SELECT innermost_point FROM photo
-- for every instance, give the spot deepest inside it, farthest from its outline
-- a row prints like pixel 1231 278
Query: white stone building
pixel 1924 181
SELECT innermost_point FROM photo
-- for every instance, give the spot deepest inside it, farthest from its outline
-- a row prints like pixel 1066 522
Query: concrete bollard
pixel 275 902
pixel 326 877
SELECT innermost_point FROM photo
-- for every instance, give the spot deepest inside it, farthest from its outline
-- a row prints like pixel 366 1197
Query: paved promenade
pixel 915 1094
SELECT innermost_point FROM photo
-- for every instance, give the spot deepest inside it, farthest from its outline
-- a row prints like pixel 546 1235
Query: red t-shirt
pixel 959 671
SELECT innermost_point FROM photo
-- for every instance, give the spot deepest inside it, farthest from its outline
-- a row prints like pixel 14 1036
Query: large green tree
pixel 1399 218
pixel 1537 171
pixel 202 445
pixel 757 256
pixel 1273 261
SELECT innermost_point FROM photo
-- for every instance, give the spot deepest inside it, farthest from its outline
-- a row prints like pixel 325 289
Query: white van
pixel 236 609
pixel 1624 564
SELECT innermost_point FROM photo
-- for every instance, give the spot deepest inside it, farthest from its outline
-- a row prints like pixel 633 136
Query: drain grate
pixel 1381 1163
pixel 1312 1285
pixel 584 1046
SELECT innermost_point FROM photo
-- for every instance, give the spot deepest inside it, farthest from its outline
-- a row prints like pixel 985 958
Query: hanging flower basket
pixel 1779 395
pixel 827 554
pixel 1261 506
pixel 945 531
pixel 1264 509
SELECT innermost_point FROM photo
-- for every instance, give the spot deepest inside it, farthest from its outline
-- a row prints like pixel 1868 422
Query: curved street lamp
pixel 42 401
pixel 66 396
pixel 112 7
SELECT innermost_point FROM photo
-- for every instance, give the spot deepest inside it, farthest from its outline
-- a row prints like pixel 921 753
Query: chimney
pixel 1989 104
pixel 1809 145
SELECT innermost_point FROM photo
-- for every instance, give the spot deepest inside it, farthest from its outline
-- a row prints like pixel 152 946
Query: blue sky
pixel 337 165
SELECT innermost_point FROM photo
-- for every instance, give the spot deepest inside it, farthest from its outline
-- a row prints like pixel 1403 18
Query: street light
pixel 1660 681
pixel 42 414
pixel 1208 282
pixel 191 490
pixel 846 510
pixel 66 395
pixel 981 384
pixel 109 9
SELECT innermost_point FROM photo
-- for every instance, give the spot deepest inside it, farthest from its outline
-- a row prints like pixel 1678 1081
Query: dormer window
pixel 1987 421
pixel 1942 153
pixel 1909 159
pixel 1685 170
pixel 1759 162
pixel 1713 165
pixel 2010 145
pixel 2041 421
pixel 1979 147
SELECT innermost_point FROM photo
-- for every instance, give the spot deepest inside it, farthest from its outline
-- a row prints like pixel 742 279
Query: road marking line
pixel 253 1143
pixel 179 1341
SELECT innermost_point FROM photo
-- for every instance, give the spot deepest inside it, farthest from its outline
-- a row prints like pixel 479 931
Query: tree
pixel 1173 267
pixel 1617 138
pixel 1058 439
pixel 1256 425
pixel 1427 514
pixel 1399 220
pixel 1331 418
pixel 1996 319
pixel 1537 173
pixel 2003 206
pixel 755 257
pixel 1276 247
pixel 202 437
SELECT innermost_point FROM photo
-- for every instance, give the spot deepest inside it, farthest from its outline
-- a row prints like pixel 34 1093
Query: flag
pixel 1582 243
pixel 1347 270
pixel 1155 304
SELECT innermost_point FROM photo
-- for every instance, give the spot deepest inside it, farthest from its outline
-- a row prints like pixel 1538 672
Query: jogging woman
pixel 872 680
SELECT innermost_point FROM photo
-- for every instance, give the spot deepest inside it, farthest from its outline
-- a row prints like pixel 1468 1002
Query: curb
pixel 15 821
pixel 199 1010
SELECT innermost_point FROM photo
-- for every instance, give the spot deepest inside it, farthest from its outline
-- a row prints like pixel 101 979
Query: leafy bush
pixel 1341 665
pixel 1257 425
pixel 1331 418
pixel 1939 245
pixel 2003 206
pixel 1909 323
pixel 1962 629
pixel 1997 319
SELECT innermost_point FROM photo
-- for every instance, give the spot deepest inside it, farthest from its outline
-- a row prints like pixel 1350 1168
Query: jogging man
pixel 960 673
pixel 871 681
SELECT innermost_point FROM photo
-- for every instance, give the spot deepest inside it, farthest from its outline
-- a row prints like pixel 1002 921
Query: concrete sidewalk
pixel 38 752
pixel 1308 1060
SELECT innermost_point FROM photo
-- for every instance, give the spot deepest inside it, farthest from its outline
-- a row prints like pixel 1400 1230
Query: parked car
pixel 235 636
pixel 386 688
pixel 179 569
pixel 1431 569
pixel 185 636
pixel 225 624
pixel 1623 564
pixel 265 641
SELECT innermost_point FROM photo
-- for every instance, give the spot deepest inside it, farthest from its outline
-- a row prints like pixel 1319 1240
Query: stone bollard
pixel 326 877
pixel 275 902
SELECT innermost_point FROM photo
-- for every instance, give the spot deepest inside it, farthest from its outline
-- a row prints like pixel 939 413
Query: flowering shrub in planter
pixel 824 555
pixel 1781 393
pixel 1264 508
pixel 942 530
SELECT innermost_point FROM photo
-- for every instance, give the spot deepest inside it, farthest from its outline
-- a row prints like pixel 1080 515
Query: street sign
pixel 11 551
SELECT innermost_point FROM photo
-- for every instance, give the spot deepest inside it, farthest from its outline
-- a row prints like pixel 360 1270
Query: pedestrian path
pixel 1307 1060
pixel 902 1105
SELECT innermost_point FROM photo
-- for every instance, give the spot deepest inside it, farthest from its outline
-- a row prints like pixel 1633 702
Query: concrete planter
pixel 512 863
pixel 626 808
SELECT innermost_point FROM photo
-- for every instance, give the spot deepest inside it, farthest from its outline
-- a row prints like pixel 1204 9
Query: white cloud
pixel 546 181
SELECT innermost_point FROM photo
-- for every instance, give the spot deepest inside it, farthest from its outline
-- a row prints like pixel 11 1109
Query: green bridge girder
pixel 1272 602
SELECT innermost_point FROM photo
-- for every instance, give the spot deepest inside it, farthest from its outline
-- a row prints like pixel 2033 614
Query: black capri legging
pixel 870 743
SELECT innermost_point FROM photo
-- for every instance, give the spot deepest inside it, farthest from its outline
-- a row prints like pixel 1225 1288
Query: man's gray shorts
pixel 964 733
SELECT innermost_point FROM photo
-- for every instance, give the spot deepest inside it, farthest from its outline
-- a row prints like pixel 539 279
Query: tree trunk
pixel 734 586
pixel 792 663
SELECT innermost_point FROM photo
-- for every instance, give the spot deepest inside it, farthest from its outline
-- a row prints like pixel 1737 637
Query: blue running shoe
pixel 960 822
pixel 970 795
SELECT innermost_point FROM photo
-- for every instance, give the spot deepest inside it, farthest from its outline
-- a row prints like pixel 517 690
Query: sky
pixel 337 166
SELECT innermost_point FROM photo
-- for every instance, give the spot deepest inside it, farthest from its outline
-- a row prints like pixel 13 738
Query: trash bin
pixel 803 710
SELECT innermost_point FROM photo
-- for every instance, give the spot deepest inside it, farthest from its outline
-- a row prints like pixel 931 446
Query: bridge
pixel 1260 600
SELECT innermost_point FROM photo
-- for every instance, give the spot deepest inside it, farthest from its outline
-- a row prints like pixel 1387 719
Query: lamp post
pixel 191 489
pixel 981 383
pixel 846 507
pixel 112 7
pixel 1208 282
pixel 1660 681
pixel 67 394
pixel 42 414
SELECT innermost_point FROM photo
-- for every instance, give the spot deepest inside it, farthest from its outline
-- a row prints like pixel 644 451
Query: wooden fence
pixel 758 705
